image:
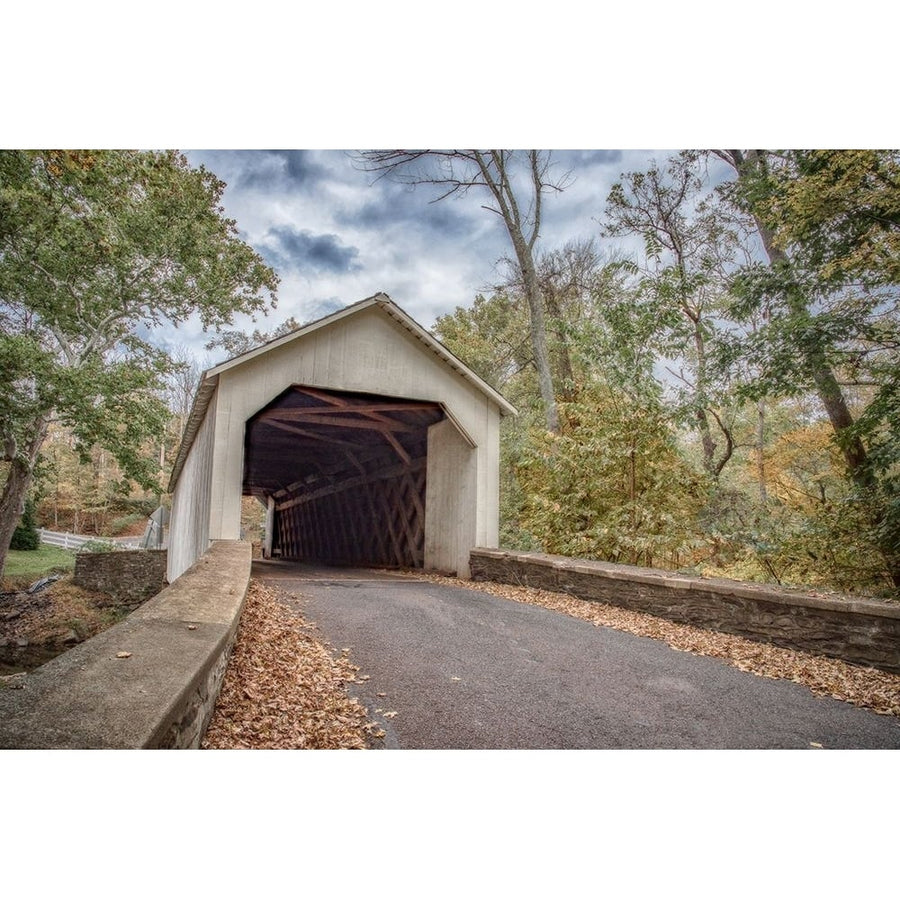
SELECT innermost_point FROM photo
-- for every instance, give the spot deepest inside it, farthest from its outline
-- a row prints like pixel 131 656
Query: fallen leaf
pixel 390 715
pixel 282 688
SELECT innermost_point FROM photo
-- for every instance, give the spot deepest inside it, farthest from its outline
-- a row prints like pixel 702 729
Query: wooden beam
pixel 327 396
pixel 270 525
pixel 291 412
pixel 315 435
pixel 397 446
pixel 350 483
pixel 320 417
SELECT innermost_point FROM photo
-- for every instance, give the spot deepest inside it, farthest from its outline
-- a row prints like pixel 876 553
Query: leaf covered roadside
pixel 282 689
pixel 865 687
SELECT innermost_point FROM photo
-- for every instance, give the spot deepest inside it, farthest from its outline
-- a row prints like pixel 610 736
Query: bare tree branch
pixel 458 171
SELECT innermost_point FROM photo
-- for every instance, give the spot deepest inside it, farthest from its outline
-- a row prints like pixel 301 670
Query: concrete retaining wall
pixel 866 632
pixel 131 575
pixel 162 694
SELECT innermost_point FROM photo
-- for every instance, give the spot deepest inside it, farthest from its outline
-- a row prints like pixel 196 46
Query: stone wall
pixel 151 681
pixel 866 632
pixel 127 575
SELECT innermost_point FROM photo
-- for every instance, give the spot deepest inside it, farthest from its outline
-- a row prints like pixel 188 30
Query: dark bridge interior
pixel 347 472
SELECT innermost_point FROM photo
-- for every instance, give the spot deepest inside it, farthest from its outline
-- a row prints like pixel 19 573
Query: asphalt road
pixel 466 670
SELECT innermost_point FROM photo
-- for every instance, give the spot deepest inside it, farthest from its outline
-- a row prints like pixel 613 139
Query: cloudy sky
pixel 335 235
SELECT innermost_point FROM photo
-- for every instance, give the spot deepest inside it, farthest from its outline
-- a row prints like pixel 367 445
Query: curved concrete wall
pixel 163 693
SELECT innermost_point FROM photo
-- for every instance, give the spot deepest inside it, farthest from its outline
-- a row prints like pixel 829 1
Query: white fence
pixel 75 541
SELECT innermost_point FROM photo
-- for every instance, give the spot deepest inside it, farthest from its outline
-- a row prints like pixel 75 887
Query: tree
pixel 840 209
pixel 688 247
pixel 98 248
pixel 569 279
pixel 612 485
pixel 829 223
pixel 234 343
pixel 516 197
pixel 181 385
pixel 25 535
pixel 488 337
pixel 815 533
pixel 795 333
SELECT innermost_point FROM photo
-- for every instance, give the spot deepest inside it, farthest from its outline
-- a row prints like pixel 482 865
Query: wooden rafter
pixel 348 484
pixel 321 436
pixel 366 408
pixel 317 417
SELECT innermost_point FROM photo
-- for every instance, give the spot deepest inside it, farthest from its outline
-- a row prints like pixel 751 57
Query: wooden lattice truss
pixel 347 474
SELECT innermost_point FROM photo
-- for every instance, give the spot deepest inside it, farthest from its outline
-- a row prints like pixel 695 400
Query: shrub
pixel 26 537
pixel 98 546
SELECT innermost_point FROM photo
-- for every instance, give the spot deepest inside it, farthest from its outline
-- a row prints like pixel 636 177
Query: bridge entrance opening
pixel 342 475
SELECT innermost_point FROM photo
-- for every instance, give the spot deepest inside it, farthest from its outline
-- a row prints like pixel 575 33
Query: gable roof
pixel 210 378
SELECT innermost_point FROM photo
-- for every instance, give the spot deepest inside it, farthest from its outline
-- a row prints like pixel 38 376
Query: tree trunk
pixel 565 375
pixel 538 330
pixel 760 451
pixel 706 438
pixel 21 471
pixel 542 360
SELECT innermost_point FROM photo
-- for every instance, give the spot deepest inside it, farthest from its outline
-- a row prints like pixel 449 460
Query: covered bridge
pixel 366 439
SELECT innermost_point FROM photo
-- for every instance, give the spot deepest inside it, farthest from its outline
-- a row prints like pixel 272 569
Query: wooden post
pixel 270 527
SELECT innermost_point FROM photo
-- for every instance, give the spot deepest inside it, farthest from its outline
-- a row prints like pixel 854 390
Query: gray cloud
pixel 589 157
pixel 281 170
pixel 336 236
pixel 396 206
pixel 291 248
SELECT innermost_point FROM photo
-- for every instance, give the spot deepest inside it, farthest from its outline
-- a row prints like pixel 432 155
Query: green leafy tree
pixel 829 224
pixel 689 246
pixel 612 484
pixel 234 343
pixel 98 249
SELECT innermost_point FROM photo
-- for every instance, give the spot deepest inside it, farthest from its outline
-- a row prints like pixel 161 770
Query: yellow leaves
pixel 58 161
pixel 802 464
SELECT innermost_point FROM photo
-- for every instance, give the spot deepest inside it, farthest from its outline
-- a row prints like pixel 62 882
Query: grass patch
pixel 34 564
